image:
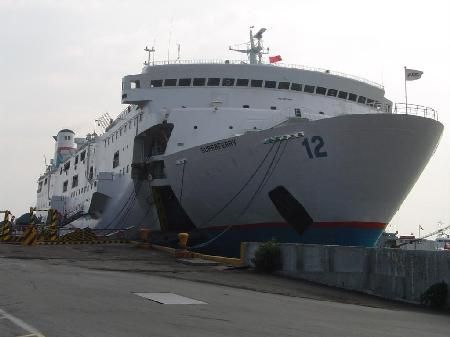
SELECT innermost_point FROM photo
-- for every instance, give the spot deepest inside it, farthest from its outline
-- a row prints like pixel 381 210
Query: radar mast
pixel 149 51
pixel 255 49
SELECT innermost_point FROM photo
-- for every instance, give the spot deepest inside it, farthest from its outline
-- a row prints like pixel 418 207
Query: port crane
pixel 439 231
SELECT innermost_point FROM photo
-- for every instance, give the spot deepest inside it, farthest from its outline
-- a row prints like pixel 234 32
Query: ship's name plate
pixel 280 138
pixel 218 146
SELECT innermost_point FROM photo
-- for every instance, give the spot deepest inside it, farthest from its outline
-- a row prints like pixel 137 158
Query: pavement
pixel 103 290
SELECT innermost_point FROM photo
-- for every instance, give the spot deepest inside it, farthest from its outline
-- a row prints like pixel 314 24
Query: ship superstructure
pixel 234 150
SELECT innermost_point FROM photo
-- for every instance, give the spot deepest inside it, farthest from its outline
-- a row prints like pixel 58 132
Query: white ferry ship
pixel 237 151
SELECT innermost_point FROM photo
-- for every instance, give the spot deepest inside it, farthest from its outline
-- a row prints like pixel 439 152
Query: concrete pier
pixel 390 273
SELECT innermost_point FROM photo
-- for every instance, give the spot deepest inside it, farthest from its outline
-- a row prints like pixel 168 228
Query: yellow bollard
pixel 182 240
pixel 6 228
pixel 53 227
pixel 31 235
pixel 144 234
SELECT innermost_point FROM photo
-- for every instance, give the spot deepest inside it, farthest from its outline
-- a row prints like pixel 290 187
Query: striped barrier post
pixel 30 235
pixel 6 228
pixel 53 229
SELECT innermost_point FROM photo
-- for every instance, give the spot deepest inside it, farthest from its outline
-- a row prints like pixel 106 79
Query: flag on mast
pixel 412 74
pixel 274 59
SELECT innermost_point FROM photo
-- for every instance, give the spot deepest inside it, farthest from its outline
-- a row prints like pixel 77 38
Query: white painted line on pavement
pixel 21 324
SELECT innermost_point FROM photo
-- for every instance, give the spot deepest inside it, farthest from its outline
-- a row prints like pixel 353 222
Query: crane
pixel 439 231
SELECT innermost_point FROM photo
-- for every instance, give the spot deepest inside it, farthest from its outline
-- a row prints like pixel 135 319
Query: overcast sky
pixel 61 64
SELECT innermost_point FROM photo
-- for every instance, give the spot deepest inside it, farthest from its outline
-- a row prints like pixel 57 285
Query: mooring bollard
pixel 182 240
pixel 144 234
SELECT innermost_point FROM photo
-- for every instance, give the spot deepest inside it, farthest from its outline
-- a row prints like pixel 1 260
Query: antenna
pixel 178 48
pixel 149 51
pixel 170 39
pixel 255 49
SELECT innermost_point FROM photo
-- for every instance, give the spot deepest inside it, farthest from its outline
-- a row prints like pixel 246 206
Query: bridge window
pixel 270 84
pixel 273 108
pixel 352 97
pixel 76 160
pixel 75 181
pixel 309 88
pixel 298 112
pixel 242 82
pixel 370 102
pixel 184 82
pixel 283 85
pixel 65 184
pixel 67 166
pixel 45 181
pixel 342 94
pixel 135 84
pixel 213 82
pixel 39 187
pixel 246 106
pixel 256 83
pixel 82 155
pixel 296 87
pixel 332 92
pixel 199 82
pixel 170 82
pixel 91 173
pixel 228 82
pixel 116 159
pixel 156 83
pixel 361 99
pixel 321 90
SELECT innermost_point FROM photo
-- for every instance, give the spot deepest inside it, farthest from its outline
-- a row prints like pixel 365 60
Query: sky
pixel 61 65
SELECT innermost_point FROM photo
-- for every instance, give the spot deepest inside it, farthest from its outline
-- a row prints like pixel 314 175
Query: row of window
pixel 245 82
pixel 80 190
pixel 40 184
pixel 66 166
pixel 123 129
pixel 75 183
pixel 116 163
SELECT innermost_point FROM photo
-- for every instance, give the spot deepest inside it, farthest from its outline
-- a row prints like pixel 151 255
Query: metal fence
pixel 417 110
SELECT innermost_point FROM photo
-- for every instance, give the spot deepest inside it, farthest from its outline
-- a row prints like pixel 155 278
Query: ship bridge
pixel 238 75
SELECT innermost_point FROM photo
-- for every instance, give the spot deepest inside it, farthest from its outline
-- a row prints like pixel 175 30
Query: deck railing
pixel 414 109
pixel 280 64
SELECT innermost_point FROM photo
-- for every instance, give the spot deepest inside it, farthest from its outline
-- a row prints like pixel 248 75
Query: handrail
pixel 281 65
pixel 415 109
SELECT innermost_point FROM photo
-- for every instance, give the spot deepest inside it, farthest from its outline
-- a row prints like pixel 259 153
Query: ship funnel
pixel 65 146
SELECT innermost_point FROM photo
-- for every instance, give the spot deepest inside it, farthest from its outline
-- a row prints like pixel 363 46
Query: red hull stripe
pixel 342 224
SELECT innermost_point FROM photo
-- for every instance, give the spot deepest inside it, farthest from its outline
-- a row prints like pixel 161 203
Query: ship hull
pixel 349 174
